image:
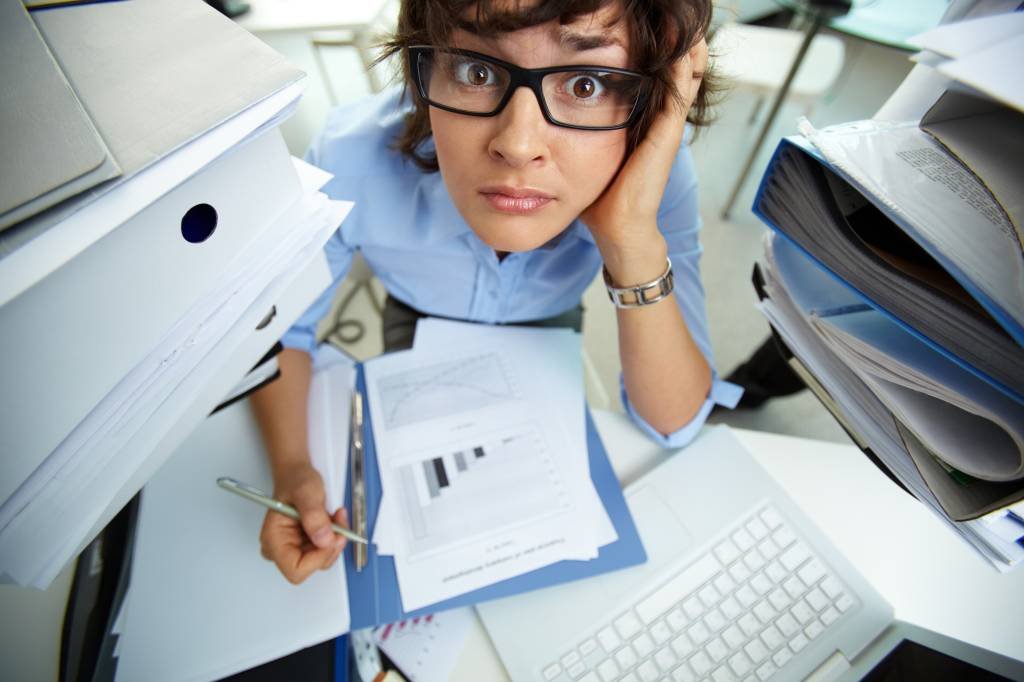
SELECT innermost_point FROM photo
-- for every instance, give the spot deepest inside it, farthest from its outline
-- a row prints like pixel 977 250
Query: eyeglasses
pixel 583 97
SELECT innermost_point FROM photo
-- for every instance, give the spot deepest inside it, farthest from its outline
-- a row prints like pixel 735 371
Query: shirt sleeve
pixel 302 334
pixel 680 224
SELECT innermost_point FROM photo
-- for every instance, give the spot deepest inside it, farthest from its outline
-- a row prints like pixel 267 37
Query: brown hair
pixel 660 33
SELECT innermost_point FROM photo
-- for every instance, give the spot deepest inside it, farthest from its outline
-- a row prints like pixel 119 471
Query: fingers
pixel 283 542
pixel 308 498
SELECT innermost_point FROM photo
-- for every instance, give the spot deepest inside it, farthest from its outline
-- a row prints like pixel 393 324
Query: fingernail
pixel 322 537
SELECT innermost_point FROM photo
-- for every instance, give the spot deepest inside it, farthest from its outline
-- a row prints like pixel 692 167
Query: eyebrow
pixel 581 42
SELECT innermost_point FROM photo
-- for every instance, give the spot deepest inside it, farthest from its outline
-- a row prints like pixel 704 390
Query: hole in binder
pixel 198 223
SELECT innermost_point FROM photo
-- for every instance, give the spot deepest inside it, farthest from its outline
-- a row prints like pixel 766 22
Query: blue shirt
pixel 426 255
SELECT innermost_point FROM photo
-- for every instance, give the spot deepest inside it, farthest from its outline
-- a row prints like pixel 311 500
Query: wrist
pixel 640 261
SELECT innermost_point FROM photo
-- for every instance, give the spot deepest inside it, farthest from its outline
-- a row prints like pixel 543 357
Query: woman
pixel 547 172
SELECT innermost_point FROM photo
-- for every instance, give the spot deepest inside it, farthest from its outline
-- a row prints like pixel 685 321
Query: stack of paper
pixel 481 445
pixel 46 519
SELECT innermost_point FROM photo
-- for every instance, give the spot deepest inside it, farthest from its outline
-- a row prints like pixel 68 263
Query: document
pixel 483 475
pixel 426 649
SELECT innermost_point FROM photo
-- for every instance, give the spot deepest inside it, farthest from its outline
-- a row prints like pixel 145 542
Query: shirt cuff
pixel 722 393
pixel 300 338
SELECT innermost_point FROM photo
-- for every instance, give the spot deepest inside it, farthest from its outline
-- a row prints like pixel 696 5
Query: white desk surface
pixel 265 16
pixel 931 577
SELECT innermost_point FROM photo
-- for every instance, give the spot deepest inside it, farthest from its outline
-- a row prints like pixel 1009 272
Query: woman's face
pixel 515 178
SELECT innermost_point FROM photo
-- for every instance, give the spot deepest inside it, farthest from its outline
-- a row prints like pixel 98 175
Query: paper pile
pixel 481 445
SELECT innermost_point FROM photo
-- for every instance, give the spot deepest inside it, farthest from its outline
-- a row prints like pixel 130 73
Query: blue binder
pixel 373 592
pixel 800 146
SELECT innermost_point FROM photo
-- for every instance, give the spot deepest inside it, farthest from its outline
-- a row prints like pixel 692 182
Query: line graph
pixel 444 389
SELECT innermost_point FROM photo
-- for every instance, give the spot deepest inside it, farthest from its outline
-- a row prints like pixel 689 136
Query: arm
pixel 664 371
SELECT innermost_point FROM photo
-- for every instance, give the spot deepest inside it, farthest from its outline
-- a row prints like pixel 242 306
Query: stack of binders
pixel 136 295
pixel 895 278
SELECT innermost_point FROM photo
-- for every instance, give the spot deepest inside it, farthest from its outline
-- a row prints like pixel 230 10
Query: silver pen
pixel 358 479
pixel 260 497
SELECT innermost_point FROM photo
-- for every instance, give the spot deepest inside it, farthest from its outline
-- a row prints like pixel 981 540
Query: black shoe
pixel 765 375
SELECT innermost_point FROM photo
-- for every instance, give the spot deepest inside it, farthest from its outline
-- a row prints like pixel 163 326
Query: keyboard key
pixel 743 539
pixel 794 586
pixel 783 537
pixel 727 552
pixel 648 672
pixel 714 621
pixel 709 595
pixel 609 640
pixel 844 603
pixel 551 672
pixel 775 572
pixel 771 518
pixel 660 632
pixel 589 677
pixel 817 599
pixel 768 549
pixel 700 663
pixel 781 657
pixel 731 608
pixel 772 638
pixel 779 599
pixel 813 629
pixel 793 557
pixel 723 674
pixel 626 657
pixel 802 612
pixel 570 659
pixel 588 647
pixel 753 560
pixel 644 645
pixel 740 664
pixel 680 585
pixel 749 624
pixel 761 584
pixel 733 637
pixel 739 572
pixel 677 620
pixel 766 671
pixel 746 596
pixel 682 646
pixel 757 528
pixel 787 625
pixel 829 616
pixel 756 651
pixel 698 633
pixel 798 643
pixel 717 650
pixel 812 572
pixel 832 587
pixel 684 673
pixel 629 677
pixel 577 670
pixel 628 625
pixel 665 658
pixel 764 612
pixel 724 584
pixel 608 670
pixel 694 609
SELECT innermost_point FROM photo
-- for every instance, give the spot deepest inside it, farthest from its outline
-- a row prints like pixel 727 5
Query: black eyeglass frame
pixel 528 78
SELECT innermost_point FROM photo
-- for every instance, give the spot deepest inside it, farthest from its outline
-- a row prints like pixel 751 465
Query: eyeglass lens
pixel 588 98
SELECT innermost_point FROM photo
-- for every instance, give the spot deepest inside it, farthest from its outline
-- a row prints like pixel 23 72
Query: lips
pixel 515 200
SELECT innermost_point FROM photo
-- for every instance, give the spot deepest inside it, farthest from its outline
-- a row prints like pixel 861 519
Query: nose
pixel 520 138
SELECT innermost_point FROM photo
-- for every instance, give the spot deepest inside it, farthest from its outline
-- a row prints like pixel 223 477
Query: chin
pixel 513 236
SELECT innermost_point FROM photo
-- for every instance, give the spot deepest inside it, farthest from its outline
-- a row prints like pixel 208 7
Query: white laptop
pixel 739 585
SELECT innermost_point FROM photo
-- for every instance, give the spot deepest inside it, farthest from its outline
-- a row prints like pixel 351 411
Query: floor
pixel 869 75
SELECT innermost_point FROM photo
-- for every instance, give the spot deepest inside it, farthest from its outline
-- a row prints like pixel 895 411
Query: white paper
pixel 426 649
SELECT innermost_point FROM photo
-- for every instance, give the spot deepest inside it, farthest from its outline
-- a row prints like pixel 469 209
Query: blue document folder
pixel 780 169
pixel 373 592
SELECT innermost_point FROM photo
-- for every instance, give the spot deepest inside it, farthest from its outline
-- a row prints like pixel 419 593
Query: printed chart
pixel 444 389
pixel 462 493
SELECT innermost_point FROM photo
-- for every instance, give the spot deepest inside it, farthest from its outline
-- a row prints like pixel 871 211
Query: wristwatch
pixel 639 295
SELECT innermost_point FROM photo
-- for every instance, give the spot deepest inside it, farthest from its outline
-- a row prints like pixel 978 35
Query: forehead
pixel 600 36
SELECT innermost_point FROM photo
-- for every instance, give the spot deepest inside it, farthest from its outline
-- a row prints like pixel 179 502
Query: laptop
pixel 739 585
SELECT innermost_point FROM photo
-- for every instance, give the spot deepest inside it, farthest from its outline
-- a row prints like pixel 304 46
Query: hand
pixel 623 220
pixel 299 549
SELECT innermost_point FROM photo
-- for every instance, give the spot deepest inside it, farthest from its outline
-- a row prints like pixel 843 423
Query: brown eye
pixel 477 74
pixel 583 87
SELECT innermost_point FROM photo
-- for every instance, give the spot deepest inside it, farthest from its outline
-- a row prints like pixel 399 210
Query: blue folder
pixel 803 147
pixel 373 592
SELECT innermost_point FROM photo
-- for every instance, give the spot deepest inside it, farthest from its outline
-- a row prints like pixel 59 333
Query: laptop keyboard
pixel 742 611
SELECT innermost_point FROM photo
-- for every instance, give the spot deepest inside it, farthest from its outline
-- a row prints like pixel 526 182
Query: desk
pixel 932 579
